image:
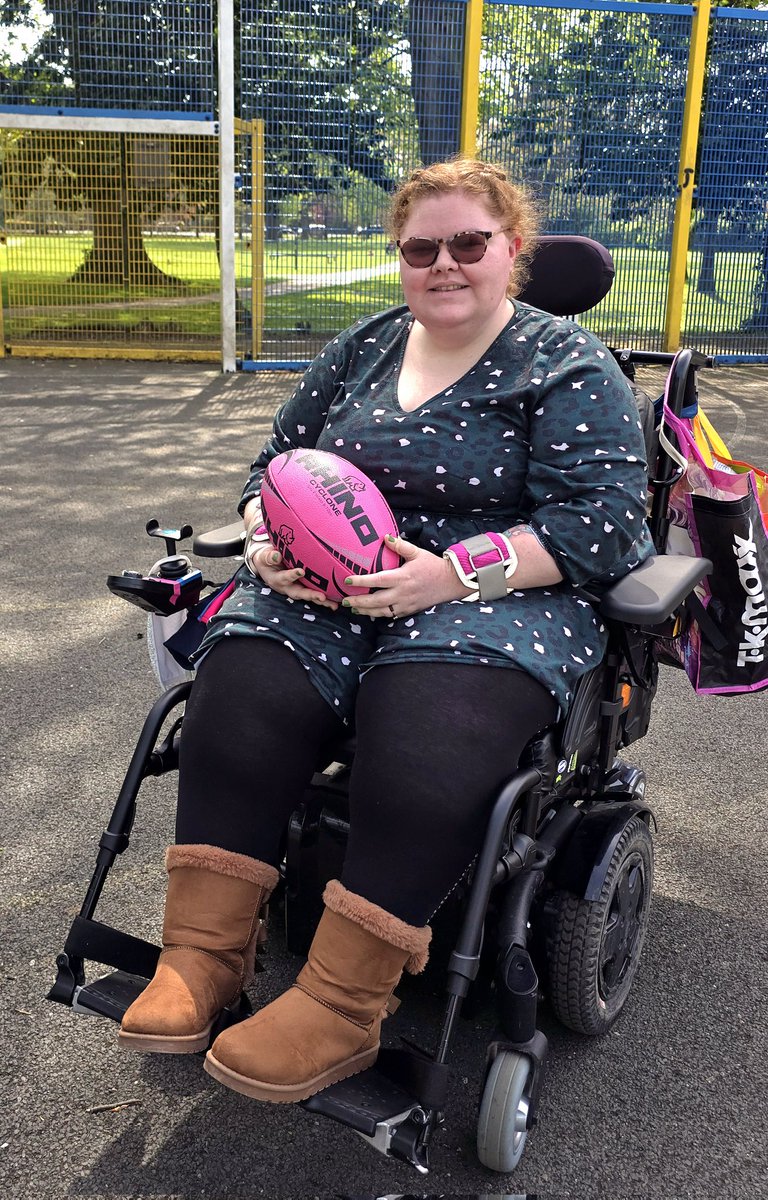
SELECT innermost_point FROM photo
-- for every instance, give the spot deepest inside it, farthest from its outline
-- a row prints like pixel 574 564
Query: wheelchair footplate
pixel 395 1105
pixel 109 996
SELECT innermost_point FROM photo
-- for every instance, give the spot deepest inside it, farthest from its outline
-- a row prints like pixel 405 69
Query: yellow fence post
pixel 2 323
pixel 686 178
pixel 257 236
pixel 470 79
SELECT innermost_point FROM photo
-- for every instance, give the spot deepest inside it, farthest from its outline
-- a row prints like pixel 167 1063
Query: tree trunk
pixel 119 208
pixel 759 319
pixel 707 231
pixel 436 34
pixel 117 256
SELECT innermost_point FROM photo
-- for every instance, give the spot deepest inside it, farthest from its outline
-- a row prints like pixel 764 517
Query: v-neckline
pixel 455 383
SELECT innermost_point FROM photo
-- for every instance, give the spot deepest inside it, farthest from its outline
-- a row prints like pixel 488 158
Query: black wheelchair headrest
pixel 568 275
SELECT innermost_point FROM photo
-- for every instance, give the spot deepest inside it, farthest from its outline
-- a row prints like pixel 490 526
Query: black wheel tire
pixel 594 947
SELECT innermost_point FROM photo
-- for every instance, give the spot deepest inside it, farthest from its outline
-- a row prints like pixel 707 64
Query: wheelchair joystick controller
pixel 172 584
pixel 170 536
pixel 174 567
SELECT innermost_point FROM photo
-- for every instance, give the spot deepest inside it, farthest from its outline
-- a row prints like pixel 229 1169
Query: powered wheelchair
pixel 556 904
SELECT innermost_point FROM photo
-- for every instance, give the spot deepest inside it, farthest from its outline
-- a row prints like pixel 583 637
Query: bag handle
pixel 678 459
pixel 684 435
pixel 708 439
pixel 696 436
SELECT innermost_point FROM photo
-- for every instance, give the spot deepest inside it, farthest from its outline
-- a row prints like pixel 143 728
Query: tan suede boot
pixel 327 1025
pixel 210 933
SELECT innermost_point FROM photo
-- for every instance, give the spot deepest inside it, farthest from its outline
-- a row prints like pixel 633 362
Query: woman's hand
pixel 268 564
pixel 422 580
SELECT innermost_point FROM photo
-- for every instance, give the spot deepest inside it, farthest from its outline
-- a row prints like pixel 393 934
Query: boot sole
pixel 152 1043
pixel 288 1093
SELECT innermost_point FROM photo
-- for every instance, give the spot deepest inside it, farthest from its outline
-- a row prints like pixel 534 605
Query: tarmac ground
pixel 672 1103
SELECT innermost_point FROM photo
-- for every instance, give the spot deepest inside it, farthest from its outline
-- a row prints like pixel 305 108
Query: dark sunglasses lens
pixel 419 252
pixel 468 247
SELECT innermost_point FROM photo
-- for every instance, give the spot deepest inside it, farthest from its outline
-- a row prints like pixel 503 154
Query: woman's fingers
pixel 388 578
pixel 287 580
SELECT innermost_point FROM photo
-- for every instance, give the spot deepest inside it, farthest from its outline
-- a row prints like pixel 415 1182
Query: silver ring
pixel 392 610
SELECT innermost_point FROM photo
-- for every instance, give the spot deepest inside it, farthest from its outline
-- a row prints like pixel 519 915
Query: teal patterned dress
pixel 542 430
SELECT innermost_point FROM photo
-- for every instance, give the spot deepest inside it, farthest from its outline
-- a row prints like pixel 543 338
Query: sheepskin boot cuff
pixel 381 923
pixel 222 862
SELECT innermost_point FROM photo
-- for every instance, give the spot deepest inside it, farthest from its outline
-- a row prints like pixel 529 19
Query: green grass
pixel 287 258
pixel 637 300
pixel 333 308
pixel 35 270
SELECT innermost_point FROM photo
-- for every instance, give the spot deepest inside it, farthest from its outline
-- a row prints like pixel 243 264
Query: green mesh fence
pixel 585 104
pixel 727 297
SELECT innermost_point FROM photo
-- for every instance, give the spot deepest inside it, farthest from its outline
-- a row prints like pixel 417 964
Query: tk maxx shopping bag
pixel 715 511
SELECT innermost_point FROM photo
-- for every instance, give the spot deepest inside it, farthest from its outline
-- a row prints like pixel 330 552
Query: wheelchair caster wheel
pixel 593 947
pixel 502 1127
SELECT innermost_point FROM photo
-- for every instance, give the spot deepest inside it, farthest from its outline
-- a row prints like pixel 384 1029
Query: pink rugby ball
pixel 323 514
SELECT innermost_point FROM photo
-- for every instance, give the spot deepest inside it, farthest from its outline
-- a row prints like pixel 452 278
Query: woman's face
pixel 451 296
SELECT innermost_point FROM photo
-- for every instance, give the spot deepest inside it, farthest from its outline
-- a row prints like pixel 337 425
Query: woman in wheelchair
pixel 476 415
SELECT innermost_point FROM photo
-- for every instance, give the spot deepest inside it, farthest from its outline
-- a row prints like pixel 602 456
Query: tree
pixel 581 108
pixel 332 82
pixel 588 106
pixel 125 55
pixel 732 193
pixel 309 70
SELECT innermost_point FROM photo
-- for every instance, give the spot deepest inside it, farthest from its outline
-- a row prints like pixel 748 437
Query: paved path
pixel 672 1104
pixel 306 283
pixel 281 287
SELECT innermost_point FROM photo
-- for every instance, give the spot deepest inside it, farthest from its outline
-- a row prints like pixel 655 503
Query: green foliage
pixel 581 103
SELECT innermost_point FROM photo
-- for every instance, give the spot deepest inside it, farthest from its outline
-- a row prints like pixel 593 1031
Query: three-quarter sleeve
pixel 586 483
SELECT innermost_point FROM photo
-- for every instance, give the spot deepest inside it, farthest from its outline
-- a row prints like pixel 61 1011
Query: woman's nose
pixel 444 261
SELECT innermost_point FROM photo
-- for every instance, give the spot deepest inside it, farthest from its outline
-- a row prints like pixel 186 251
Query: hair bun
pixel 492 169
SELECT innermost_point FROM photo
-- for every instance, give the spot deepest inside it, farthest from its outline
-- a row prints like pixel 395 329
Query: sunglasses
pixel 466 247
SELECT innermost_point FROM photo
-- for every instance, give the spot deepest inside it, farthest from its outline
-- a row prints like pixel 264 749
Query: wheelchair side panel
pixel 581 866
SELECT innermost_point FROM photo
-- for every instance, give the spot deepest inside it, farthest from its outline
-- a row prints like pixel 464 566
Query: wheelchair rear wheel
pixel 502 1127
pixel 594 947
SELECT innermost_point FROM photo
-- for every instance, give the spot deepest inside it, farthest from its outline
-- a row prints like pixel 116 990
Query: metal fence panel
pixel 727 298
pixel 584 103
pixel 108 242
pixel 113 55
pixel 351 96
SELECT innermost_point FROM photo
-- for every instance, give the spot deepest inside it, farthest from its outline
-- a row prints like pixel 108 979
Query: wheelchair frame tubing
pixel 114 840
pixel 116 837
pixel 464 962
pixel 682 392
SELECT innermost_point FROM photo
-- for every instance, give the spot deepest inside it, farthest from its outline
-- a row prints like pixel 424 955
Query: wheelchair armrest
pixel 652 592
pixel 225 542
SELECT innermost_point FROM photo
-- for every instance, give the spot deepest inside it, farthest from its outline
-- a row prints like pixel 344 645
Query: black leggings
pixel 435 742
